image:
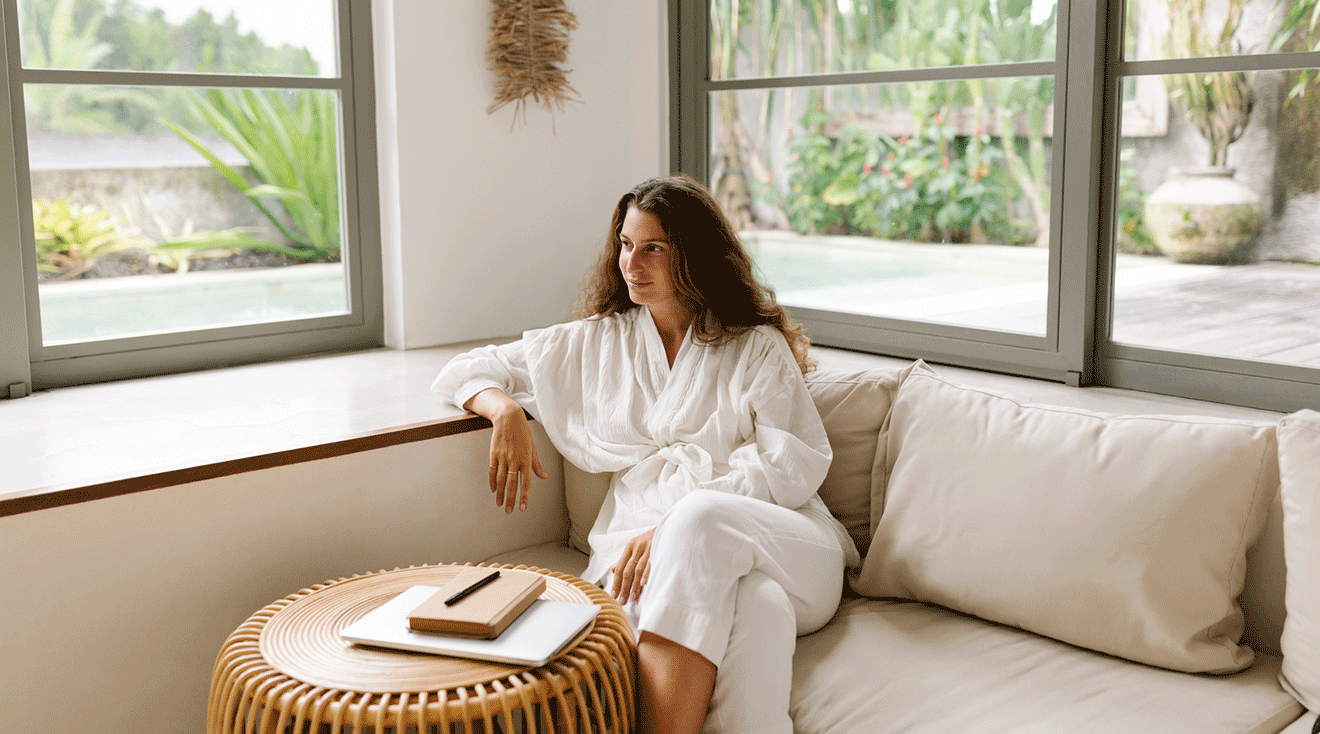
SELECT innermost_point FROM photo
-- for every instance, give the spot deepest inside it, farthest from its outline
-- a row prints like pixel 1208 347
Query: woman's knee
pixel 705 508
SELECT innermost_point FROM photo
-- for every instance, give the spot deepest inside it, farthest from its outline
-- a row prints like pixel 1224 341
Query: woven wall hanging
pixel 528 45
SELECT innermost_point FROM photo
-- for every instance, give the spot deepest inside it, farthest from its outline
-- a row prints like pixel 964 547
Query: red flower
pixel 866 168
pixel 978 131
pixel 884 170
pixel 796 157
pixel 904 140
pixel 907 180
pixel 945 162
pixel 890 157
pixel 936 118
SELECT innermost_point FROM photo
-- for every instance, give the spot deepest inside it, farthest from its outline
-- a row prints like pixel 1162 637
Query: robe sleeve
pixel 503 366
pixel 787 454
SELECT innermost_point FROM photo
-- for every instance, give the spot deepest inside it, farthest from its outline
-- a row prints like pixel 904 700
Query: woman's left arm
pixel 787 454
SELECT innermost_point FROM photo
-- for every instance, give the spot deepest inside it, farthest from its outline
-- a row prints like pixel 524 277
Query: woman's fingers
pixel 623 576
pixel 632 570
pixel 640 573
pixel 513 460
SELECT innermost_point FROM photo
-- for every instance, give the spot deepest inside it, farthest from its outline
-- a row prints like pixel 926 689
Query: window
pixel 962 181
pixel 196 184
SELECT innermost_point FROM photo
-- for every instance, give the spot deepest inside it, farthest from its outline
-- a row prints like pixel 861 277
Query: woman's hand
pixel 633 568
pixel 513 457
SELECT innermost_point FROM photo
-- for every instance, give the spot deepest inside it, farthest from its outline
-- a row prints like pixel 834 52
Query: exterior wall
pixel 137 194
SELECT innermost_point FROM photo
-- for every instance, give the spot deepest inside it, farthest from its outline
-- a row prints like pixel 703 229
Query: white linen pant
pixel 737 580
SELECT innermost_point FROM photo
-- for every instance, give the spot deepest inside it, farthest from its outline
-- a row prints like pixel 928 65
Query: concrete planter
pixel 1204 215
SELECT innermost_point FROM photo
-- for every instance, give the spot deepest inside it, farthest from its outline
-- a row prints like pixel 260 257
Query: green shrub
pixel 934 186
pixel 72 237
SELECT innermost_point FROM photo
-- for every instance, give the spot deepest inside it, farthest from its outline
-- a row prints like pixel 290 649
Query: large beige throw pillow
pixel 1122 534
pixel 1299 467
pixel 854 407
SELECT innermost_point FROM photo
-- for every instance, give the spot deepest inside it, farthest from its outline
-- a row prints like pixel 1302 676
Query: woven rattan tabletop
pixel 287 668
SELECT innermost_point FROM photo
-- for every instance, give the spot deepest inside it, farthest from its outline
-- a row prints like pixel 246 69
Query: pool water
pixel 150 304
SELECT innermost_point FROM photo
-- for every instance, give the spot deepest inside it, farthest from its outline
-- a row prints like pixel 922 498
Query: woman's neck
pixel 672 323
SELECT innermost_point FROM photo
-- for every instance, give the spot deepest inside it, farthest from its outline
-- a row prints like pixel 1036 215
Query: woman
pixel 684 379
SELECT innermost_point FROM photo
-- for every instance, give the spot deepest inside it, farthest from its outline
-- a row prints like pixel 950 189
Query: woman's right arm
pixel 486 381
pixel 513 457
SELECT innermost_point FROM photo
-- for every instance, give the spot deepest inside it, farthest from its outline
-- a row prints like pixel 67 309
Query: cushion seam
pixel 1067 410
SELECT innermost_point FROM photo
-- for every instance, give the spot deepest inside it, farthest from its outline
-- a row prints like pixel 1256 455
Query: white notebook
pixel 534 638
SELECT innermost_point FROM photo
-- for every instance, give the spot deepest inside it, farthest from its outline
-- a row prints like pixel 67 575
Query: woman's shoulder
pixel 763 347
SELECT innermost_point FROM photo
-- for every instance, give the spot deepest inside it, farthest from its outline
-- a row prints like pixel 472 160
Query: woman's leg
pixel 703 549
pixel 674 686
pixel 755 678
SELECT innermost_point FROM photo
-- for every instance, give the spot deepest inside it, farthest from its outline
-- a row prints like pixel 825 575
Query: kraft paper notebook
pixel 483 613
pixel 534 638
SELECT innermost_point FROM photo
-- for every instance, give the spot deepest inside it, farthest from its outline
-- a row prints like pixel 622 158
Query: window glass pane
pixel 164 209
pixel 1222 259
pixel 222 36
pixel 895 200
pixel 1185 29
pixel 750 39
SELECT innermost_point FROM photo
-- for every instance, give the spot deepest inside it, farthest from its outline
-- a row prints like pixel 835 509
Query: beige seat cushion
pixel 890 666
pixel 1122 534
pixel 556 556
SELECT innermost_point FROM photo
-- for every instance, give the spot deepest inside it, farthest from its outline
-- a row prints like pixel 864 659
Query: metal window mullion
pixel 890 76
pixel 691 150
pixel 174 79
pixel 1082 194
pixel 1206 64
pixel 15 366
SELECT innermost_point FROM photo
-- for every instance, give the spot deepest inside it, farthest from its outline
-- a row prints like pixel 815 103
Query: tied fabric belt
pixel 660 480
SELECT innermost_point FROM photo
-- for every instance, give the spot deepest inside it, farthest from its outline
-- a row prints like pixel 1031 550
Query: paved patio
pixel 1265 311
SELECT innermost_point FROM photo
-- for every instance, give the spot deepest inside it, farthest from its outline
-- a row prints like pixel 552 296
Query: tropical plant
pixel 776 37
pixel 1299 25
pixel 72 237
pixel 52 39
pixel 1131 237
pixel 177 251
pixel 290 143
pixel 933 187
pixel 1217 104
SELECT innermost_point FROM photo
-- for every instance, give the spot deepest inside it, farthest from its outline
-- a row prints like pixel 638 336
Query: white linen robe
pixel 732 418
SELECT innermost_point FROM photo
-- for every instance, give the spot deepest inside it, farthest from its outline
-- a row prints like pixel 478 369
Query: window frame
pixel 1077 348
pixel 117 358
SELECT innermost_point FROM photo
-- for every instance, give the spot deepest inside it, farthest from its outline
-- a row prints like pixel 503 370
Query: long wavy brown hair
pixel 712 273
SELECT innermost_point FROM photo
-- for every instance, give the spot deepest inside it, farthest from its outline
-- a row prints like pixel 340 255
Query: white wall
pixel 113 611
pixel 489 228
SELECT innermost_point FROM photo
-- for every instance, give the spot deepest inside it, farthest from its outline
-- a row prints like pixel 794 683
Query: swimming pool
pixel 104 308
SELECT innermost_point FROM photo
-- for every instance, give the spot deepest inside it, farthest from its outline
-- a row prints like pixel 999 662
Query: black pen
pixel 460 596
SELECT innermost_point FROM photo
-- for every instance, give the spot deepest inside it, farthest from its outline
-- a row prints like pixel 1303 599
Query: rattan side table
pixel 286 669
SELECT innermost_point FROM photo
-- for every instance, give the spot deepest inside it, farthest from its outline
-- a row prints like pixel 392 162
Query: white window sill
pixel 79 444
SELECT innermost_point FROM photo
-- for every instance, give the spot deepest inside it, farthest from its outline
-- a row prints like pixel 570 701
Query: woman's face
pixel 644 255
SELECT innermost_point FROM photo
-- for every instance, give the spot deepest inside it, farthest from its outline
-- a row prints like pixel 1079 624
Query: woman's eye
pixel 654 248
